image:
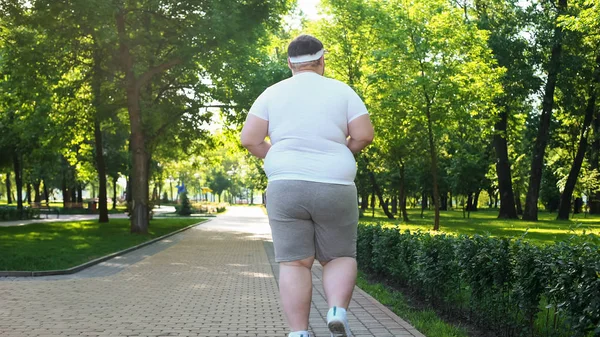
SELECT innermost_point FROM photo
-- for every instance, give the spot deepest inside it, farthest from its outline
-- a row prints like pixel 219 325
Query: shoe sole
pixel 337 329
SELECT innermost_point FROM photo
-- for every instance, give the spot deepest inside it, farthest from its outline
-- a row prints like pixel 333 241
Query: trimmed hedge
pixel 10 213
pixel 505 285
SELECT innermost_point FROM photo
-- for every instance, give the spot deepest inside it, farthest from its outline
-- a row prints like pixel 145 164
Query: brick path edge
pixel 390 313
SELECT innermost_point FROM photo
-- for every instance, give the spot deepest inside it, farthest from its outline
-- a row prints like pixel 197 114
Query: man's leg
pixel 336 220
pixel 295 288
pixel 339 278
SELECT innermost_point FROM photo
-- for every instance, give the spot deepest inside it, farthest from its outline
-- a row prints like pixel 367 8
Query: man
pixel 314 124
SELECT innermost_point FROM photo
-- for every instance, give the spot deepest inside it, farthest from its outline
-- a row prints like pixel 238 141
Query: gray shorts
pixel 312 219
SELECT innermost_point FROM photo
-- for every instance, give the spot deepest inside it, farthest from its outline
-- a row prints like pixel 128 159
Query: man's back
pixel 308 118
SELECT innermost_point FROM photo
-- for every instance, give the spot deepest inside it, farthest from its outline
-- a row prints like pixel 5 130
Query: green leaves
pixel 507 286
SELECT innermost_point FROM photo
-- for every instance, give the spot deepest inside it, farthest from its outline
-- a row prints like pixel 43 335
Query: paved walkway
pixel 215 280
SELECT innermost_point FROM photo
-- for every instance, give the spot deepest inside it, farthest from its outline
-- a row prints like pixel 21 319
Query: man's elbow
pixel 246 139
pixel 367 137
pixel 370 137
pixel 244 142
pixel 249 142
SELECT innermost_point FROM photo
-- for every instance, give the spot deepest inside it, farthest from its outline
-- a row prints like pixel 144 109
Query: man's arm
pixel 254 132
pixel 361 133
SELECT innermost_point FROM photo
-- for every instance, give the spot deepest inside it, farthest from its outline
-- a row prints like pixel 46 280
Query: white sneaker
pixel 337 322
pixel 299 334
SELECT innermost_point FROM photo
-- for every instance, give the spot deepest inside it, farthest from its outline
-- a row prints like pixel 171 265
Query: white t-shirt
pixel 308 118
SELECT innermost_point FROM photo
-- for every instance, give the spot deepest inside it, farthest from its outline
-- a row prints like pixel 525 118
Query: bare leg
pixel 339 278
pixel 295 288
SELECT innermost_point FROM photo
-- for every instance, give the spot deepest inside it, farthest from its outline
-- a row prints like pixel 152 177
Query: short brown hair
pixel 304 45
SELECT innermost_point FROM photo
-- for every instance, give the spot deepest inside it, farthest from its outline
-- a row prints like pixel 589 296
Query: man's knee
pixel 306 263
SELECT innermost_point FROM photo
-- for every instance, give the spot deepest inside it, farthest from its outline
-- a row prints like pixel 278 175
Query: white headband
pixel 308 57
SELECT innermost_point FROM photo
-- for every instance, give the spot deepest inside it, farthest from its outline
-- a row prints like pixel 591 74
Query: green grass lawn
pixel 61 245
pixel 424 320
pixel 545 231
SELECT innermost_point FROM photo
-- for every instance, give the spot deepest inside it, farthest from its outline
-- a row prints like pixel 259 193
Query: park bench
pixel 45 209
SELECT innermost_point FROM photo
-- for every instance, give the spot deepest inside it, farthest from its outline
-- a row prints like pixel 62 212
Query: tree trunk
pixel 476 201
pixel 158 198
pixel 155 192
pixel 65 191
pixel 380 196
pixel 372 204
pixel 565 197
pixel 19 181
pixel 531 200
pixel 469 206
pixel 139 152
pixel 507 198
pixel 139 170
pixel 139 182
pixel 29 193
pixel 444 202
pixel 46 194
pixel 577 206
pixel 423 203
pixel 98 141
pixel 114 206
pixel 36 189
pixel 402 196
pixel 101 167
pixel 364 202
pixel 518 205
pixel 128 199
pixel 394 205
pixel 434 174
pixel 9 199
pixel 403 202
pixel 594 201
pixel 79 193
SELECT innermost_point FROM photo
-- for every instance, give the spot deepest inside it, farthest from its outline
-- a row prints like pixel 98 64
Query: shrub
pixel 11 213
pixel 505 285
pixel 185 208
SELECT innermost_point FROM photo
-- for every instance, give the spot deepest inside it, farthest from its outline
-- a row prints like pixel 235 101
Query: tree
pixel 433 57
pixel 506 20
pixel 184 36
pixel 25 92
pixel 553 68
pixel 587 25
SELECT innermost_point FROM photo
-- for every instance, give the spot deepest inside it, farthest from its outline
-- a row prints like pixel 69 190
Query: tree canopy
pixel 471 100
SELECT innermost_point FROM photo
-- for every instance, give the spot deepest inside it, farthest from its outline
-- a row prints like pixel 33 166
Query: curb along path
pixel 214 280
